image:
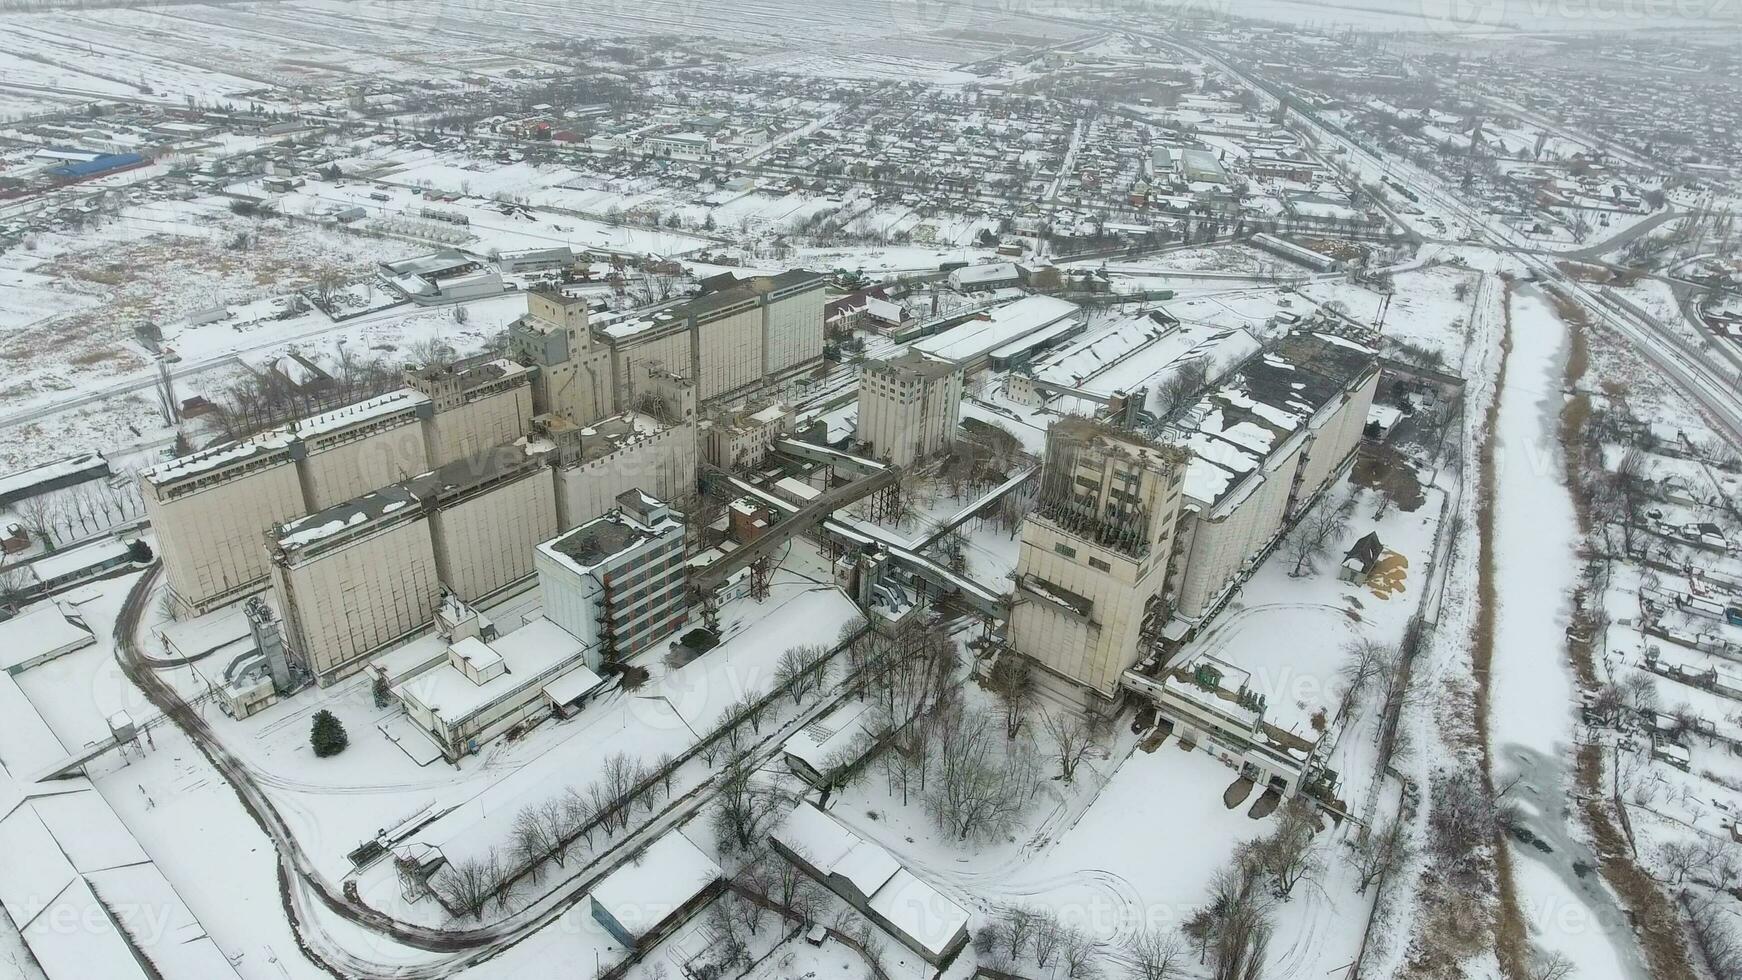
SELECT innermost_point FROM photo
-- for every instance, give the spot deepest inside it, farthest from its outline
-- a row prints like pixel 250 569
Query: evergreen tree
pixel 328 735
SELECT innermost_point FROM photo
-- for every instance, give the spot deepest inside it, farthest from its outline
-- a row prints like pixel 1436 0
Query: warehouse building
pixel 1005 333
pixel 868 878
pixel 646 899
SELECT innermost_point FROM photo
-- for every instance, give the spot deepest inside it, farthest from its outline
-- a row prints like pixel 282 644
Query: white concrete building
pixel 574 372
pixel 617 582
pixel 477 690
pixel 365 575
pixel 631 451
pixel 1095 551
pixel 741 439
pixel 209 508
pixel 909 407
pixel 737 333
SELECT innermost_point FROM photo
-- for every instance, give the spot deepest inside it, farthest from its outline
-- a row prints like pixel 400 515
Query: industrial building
pixel 1095 550
pixel 447 276
pixel 734 335
pixel 646 899
pixel 1263 444
pixel 871 880
pixel 618 582
pixel 467 689
pixel 574 373
pixel 209 507
pixel 1129 364
pixel 909 406
pixel 1005 333
pixel 361 576
pixel 741 439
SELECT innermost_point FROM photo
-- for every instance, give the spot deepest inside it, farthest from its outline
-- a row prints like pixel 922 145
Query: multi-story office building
pixel 1095 551
pixel 909 406
pixel 617 582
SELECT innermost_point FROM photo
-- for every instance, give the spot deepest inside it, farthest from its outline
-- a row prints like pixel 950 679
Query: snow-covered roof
pixel 999 326
pixel 989 272
pixel 920 911
pixel 664 877
pixel 367 410
pixel 38 633
pixel 820 743
pixel 828 846
pixel 1261 410
pixel 916 909
pixel 528 653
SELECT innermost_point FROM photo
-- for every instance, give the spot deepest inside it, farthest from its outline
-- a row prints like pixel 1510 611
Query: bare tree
pixel 1365 660
pixel 745 812
pixel 1680 857
pixel 977 795
pixel 1073 736
pixel 1316 532
pixel 1020 922
pixel 38 515
pixel 1080 954
pixel 1549 965
pixel 1012 680
pixel 1380 853
pixel 1155 955
pixel 466 886
pixel 1049 936
pixel 534 839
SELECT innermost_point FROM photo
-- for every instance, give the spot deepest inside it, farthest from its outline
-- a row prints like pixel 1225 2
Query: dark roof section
pixel 597 540
pixel 1366 551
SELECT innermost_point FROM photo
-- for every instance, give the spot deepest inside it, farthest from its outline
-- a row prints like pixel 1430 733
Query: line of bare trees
pixel 58 518
pixel 550 831
pixel 1020 936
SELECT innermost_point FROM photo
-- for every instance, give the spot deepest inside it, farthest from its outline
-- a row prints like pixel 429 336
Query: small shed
pixel 1359 561
pixel 655 890
pixel 40 635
